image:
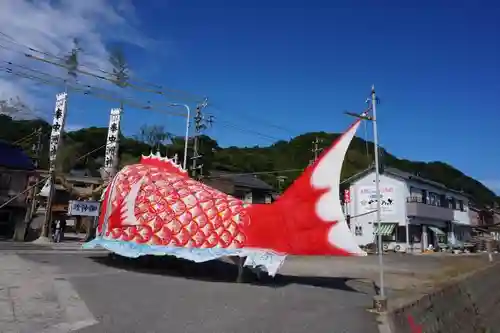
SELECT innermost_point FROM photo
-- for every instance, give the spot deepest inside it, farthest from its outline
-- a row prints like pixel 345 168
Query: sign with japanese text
pixel 57 128
pixel 112 143
pixel 83 208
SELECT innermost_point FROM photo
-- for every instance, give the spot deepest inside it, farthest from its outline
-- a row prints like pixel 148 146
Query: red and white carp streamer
pixel 154 207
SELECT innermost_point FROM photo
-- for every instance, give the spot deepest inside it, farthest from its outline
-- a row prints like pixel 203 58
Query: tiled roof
pixel 249 181
pixel 13 157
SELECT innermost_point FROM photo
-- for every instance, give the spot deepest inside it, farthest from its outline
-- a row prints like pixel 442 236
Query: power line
pixel 254 173
pixel 44 179
pixel 88 91
pixel 88 88
pixel 263 122
pixel 106 93
pixel 65 81
pixel 159 89
pixel 21 140
pixel 272 172
pixel 111 80
pixel 233 126
pixel 52 80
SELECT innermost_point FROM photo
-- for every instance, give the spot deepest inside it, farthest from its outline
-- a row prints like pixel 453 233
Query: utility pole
pixel 20 235
pixel 315 149
pixel 199 126
pixel 382 302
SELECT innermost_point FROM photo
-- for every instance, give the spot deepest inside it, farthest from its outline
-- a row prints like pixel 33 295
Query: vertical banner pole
pixel 58 123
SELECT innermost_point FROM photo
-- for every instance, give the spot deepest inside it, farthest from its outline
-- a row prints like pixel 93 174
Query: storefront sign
pixel 367 199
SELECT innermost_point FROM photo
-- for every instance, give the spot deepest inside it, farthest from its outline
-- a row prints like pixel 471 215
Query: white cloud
pixel 51 26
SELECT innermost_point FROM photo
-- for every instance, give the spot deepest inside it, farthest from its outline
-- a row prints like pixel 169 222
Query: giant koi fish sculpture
pixel 155 208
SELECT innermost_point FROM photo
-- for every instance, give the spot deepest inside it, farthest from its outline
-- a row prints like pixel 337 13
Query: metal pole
pixel 408 250
pixel 377 192
pixel 186 137
pixel 46 228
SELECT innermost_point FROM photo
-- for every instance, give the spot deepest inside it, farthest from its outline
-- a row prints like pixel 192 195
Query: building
pixel 79 180
pixel 248 188
pixel 415 212
pixel 485 223
pixel 16 168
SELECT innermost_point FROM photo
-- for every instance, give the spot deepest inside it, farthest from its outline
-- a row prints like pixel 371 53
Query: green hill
pixel 282 155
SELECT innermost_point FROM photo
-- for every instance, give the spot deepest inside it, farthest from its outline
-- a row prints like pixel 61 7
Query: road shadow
pixel 220 271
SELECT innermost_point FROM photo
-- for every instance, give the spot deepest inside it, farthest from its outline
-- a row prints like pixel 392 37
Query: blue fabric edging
pixel 267 260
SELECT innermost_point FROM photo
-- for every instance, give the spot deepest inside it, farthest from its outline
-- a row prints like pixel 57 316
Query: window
pixel 453 203
pixel 4 217
pixel 449 201
pixel 461 205
pixel 415 194
pixel 434 199
pixel 358 230
pixel 443 200
pixel 424 197
pixel 5 180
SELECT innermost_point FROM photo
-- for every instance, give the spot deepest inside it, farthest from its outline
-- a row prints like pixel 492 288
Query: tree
pixel 120 71
pixel 120 74
pixel 155 136
pixel 284 155
pixel 72 60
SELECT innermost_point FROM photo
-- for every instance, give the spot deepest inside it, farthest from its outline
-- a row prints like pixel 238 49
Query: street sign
pixel 347 196
pixel 83 208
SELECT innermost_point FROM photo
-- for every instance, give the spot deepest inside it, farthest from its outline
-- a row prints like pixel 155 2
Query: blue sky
pixel 300 64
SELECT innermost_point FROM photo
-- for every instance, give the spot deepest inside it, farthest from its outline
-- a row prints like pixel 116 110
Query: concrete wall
pixel 467 305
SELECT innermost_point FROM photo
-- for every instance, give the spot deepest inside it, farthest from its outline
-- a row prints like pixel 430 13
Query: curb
pixel 383 323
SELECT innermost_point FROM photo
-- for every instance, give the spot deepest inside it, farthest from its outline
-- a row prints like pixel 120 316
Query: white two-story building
pixel 415 212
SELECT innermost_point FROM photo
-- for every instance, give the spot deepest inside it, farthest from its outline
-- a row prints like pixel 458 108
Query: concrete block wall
pixel 468 305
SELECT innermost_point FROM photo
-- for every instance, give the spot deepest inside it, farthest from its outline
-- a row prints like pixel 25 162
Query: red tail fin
pixel 308 219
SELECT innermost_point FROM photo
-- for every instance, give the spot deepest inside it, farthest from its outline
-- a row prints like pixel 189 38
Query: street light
pixel 186 138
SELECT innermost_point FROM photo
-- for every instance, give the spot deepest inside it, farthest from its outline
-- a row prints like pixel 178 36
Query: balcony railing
pixel 417 207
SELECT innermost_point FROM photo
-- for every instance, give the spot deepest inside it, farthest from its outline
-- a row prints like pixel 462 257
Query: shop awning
pixel 386 229
pixel 437 231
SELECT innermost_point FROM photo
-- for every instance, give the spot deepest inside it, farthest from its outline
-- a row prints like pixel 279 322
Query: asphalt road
pixel 168 295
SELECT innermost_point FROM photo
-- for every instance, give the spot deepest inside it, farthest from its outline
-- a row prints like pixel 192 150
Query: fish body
pixel 154 207
pixel 172 209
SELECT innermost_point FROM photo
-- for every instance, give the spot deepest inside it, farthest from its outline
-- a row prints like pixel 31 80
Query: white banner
pixel 57 127
pixel 367 199
pixel 83 208
pixel 112 142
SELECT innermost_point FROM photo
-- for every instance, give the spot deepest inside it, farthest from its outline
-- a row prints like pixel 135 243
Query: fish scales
pixel 178 211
